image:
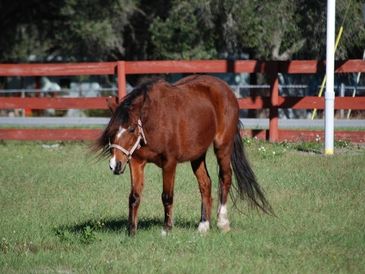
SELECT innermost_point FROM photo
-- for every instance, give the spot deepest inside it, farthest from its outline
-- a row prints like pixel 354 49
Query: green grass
pixel 63 212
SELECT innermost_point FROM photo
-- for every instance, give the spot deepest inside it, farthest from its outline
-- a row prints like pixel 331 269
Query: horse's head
pixel 123 144
pixel 124 133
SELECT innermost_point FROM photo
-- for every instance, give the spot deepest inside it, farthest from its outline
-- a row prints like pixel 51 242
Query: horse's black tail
pixel 246 183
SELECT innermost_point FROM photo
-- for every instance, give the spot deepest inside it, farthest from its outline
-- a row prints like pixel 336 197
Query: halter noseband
pixel 136 145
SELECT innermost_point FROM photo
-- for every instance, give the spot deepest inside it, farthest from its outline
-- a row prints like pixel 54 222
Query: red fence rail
pixel 123 68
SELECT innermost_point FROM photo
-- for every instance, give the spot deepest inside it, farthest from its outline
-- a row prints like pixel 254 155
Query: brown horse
pixel 167 124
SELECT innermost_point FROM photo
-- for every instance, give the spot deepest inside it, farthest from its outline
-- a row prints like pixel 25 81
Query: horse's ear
pixel 112 103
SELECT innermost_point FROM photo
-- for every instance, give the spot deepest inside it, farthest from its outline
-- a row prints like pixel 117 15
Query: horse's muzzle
pixel 119 168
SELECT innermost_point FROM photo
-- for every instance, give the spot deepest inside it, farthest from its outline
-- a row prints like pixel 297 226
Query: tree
pixel 187 32
pixel 271 30
pixel 93 30
pixel 313 25
pixel 72 29
pixel 24 28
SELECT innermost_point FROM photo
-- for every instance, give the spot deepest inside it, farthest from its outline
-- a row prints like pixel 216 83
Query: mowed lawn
pixel 64 212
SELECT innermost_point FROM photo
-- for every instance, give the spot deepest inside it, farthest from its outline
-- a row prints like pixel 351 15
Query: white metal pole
pixel 330 67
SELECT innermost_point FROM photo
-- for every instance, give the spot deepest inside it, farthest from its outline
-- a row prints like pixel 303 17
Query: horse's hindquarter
pixel 220 96
pixel 189 123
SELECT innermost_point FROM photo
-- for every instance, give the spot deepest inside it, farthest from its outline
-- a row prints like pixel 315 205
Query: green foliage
pixel 171 29
pixel 96 25
pixel 88 235
pixel 177 37
pixel 343 144
pixel 267 151
pixel 4 246
pixel 275 150
pixel 71 29
pixel 64 235
pixel 286 29
pixel 84 234
pixel 314 147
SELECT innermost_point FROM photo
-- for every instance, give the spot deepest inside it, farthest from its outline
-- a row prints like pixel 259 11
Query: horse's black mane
pixel 121 114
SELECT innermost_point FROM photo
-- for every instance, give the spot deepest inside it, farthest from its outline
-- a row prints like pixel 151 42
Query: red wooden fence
pixel 123 68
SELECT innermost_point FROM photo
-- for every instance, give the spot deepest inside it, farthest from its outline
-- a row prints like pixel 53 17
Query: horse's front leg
pixel 137 182
pixel 168 173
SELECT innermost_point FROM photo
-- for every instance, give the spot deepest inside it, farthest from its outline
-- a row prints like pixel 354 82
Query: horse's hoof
pixel 225 229
pixel 203 227
pixel 224 226
pixel 166 230
pixel 132 231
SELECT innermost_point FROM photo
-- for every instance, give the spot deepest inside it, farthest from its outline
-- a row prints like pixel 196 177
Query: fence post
pixel 274 100
pixel 121 80
pixel 342 94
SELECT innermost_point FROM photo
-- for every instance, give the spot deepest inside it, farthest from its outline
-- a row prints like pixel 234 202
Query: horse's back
pixel 213 88
pixel 220 96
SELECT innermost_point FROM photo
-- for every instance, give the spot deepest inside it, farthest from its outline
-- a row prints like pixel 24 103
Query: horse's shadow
pixel 120 225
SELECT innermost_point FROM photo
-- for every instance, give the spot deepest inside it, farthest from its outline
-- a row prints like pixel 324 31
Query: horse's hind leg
pixel 223 154
pixel 201 173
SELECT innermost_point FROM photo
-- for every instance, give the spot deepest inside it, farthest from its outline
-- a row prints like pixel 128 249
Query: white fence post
pixel 330 67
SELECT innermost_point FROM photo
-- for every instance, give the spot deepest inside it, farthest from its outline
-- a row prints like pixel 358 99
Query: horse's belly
pixel 192 154
pixel 195 141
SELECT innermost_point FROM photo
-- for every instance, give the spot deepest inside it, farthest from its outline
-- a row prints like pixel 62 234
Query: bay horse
pixel 167 124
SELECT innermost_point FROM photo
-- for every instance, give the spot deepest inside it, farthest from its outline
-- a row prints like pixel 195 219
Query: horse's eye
pixel 131 129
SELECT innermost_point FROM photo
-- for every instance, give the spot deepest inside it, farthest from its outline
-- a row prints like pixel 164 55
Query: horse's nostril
pixel 118 167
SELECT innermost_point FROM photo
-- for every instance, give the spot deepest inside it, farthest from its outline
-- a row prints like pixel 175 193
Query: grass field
pixel 63 212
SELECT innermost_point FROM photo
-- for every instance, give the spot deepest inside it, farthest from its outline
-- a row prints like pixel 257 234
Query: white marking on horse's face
pixel 203 227
pixel 223 222
pixel 121 132
pixel 113 163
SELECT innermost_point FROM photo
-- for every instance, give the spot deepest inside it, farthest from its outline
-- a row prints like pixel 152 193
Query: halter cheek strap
pixel 136 145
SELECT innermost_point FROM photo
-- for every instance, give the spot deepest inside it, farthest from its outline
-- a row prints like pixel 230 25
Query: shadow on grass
pixel 119 225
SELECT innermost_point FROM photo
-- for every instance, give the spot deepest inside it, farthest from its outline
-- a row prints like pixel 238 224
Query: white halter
pixel 136 145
